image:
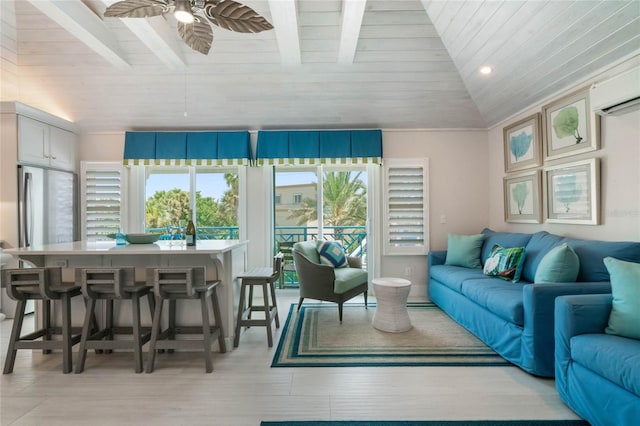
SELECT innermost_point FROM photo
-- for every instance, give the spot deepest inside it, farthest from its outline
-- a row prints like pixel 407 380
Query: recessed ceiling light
pixel 486 70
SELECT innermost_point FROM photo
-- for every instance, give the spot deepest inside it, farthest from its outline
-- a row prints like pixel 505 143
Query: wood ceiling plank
pixel 573 41
pixel 494 38
pixel 85 25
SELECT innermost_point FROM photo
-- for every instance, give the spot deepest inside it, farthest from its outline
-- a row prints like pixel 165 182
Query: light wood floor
pixel 244 389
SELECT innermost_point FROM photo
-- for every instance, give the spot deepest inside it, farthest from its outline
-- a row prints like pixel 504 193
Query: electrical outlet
pixel 407 271
pixel 443 218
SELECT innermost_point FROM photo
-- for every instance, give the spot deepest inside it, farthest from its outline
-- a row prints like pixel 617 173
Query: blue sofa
pixel 597 374
pixel 516 319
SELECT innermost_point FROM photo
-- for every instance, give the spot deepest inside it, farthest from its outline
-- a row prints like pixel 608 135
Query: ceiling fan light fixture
pixel 183 12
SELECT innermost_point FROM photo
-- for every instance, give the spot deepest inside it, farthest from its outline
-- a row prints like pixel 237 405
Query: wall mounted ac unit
pixel 618 95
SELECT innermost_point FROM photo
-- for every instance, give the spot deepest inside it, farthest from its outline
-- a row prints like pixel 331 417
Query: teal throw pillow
pixel 464 250
pixel 505 263
pixel 560 265
pixel 624 319
pixel 332 253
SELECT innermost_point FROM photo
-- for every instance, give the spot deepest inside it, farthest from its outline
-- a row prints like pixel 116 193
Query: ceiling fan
pixel 192 17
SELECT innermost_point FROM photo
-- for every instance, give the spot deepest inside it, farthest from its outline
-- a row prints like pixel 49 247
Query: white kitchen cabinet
pixel 42 144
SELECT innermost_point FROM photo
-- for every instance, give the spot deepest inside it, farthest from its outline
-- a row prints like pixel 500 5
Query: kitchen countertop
pixel 109 247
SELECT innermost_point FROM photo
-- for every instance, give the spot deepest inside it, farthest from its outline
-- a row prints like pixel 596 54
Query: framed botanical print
pixel 522 197
pixel 522 144
pixel 570 127
pixel 573 192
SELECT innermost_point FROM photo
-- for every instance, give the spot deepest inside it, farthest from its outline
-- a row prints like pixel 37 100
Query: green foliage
pixel 520 144
pixel 172 207
pixel 519 192
pixel 345 201
pixel 566 123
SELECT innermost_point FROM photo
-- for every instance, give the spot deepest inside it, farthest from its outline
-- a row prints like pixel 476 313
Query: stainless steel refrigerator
pixel 47 206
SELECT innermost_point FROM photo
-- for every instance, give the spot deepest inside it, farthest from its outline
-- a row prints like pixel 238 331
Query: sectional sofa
pixel 516 319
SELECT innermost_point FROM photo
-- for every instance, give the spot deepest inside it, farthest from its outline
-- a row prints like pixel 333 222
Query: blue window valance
pixel 319 147
pixel 187 148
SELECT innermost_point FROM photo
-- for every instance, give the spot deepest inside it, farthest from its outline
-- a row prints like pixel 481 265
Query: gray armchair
pixel 323 282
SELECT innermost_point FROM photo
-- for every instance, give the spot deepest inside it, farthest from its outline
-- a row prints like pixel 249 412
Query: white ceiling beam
pixel 156 33
pixel 86 26
pixel 285 24
pixel 352 14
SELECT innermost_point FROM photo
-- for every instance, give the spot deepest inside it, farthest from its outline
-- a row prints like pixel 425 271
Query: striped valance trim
pixel 313 161
pixel 189 162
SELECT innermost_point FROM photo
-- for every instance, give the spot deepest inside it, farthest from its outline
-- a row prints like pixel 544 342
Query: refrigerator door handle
pixel 26 210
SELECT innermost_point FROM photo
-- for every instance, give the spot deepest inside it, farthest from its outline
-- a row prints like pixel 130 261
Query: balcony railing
pixel 353 238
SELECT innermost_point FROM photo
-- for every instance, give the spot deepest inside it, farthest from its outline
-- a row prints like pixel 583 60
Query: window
pixel 211 193
pixel 102 192
pixel 277 199
pixel 405 207
pixel 343 215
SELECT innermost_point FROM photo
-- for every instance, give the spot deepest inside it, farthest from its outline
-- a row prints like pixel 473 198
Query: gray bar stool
pixel 40 284
pixel 175 284
pixel 265 277
pixel 109 285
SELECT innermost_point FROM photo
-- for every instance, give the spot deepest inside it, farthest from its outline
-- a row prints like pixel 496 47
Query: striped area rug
pixel 433 423
pixel 314 337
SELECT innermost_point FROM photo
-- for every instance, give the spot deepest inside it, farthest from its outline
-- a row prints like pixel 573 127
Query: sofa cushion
pixel 537 247
pixel 559 265
pixel 624 319
pixel 453 276
pixel 612 357
pixel 464 250
pixel 501 297
pixel 504 239
pixel 592 254
pixel 308 249
pixel 348 278
pixel 332 253
pixel 505 263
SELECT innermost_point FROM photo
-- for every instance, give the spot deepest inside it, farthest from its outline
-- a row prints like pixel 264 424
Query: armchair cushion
pixel 308 249
pixel 612 357
pixel 348 278
pixel 332 253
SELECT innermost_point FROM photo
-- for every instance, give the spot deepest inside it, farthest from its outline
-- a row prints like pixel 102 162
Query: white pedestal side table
pixel 391 304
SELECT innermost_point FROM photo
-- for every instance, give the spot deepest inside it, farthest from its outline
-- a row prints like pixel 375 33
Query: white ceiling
pixel 412 64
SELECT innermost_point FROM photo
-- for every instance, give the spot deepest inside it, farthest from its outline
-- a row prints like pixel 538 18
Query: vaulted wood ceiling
pixel 327 63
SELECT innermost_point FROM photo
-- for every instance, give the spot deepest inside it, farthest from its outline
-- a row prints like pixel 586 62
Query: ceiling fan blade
pixel 136 9
pixel 234 16
pixel 197 36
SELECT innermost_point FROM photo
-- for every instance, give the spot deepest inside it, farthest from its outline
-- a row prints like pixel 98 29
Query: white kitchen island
pixel 223 259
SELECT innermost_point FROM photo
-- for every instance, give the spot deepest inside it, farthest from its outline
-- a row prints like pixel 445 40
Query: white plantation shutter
pixel 405 207
pixel 101 199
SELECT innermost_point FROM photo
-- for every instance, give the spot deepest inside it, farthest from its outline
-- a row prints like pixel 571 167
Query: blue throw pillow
pixel 332 253
pixel 560 265
pixel 464 250
pixel 505 263
pixel 624 319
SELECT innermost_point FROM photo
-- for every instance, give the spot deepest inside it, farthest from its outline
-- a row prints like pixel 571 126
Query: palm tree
pixel 345 201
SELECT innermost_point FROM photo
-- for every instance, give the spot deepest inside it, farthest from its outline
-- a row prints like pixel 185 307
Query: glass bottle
pixel 190 232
